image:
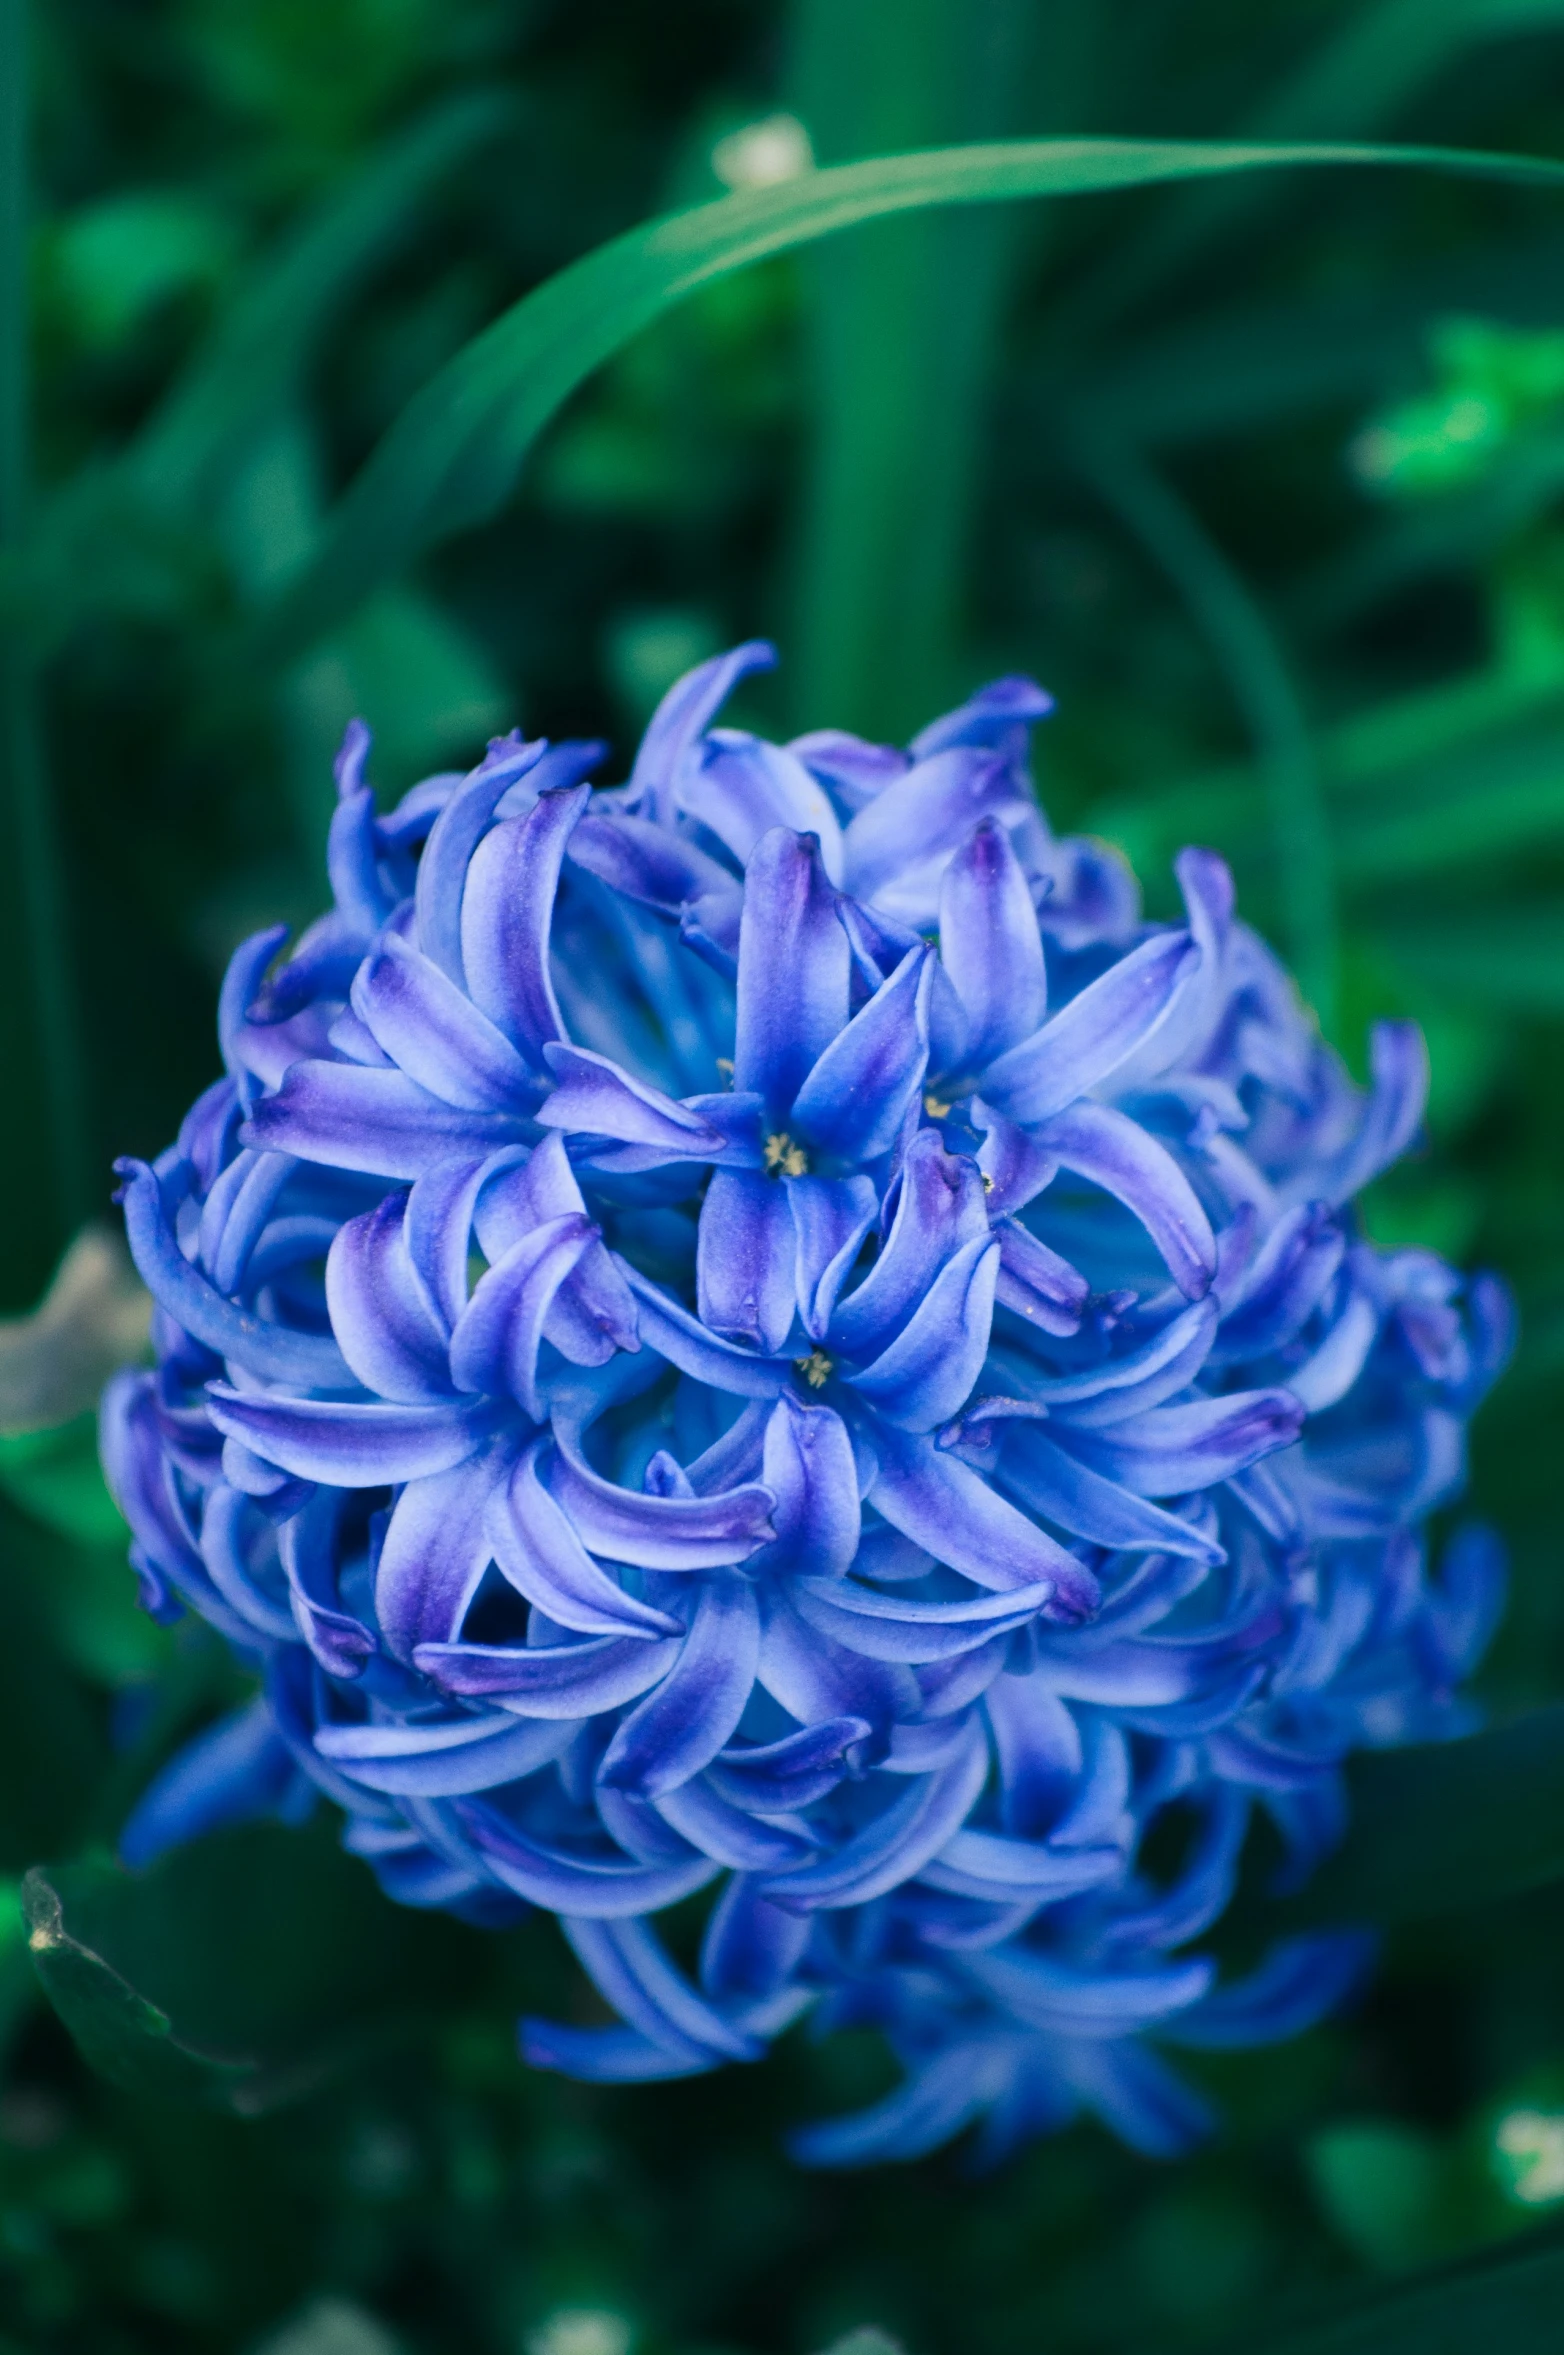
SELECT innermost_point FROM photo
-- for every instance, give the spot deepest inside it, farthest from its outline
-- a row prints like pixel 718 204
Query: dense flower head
pixel 761 1332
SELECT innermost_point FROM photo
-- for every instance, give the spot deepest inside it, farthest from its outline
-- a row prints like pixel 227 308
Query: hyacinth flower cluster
pixel 760 1335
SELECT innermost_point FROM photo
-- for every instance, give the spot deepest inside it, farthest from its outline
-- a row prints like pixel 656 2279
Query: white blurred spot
pixel 1534 2140
pixel 762 154
pixel 581 2330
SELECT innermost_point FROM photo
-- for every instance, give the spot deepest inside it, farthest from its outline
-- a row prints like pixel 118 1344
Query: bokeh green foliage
pixel 1265 478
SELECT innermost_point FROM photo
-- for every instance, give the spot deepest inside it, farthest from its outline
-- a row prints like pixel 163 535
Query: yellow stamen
pixel 988 1183
pixel 933 1106
pixel 784 1158
pixel 725 1066
pixel 816 1368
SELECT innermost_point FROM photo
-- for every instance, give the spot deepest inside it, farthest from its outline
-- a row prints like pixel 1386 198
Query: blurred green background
pixel 1265 480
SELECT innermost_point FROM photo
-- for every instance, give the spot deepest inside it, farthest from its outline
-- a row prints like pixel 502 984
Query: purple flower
pixel 759 1331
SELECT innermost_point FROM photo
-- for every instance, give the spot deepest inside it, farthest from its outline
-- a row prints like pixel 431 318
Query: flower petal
pixel 380 1312
pixel 454 836
pixel 684 1341
pixel 993 1868
pixel 594 1097
pixel 745 1259
pixel 831 1217
pixel 773 1777
pixel 925 812
pixel 1136 1379
pixel 658 1532
pixel 507 913
pixel 897 1843
pixel 816 1679
pixel 1092 1504
pixel 494 1348
pixel 1118 1155
pixel 1398 1075
pixel 1174 1449
pixel 926 1373
pixel 808 1466
pixel 739 787
pixel 730 1834
pixel 540 1553
pixel 939 1207
pixel 434 1033
pixel 380 1122
pixel 436 1550
pixel 998 715
pixel 274 1352
pixel 856 1099
pixel 629 1968
pixel 550 1680
pixel 351 1446
pixel 1098 1030
pixel 574 1885
pixel 441 1758
pixel 695 1711
pixel 1300 1982
pixel 1037 1283
pixel 794 962
pixel 688 707
pixel 644 862
pixel 890 1628
pixel 954 1514
pixel 308 1544
pixel 990 945
pixel 1069 2000
pixel 237 1769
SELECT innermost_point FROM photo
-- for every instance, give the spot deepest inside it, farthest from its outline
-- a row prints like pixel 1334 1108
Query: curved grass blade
pixel 452 458
pixel 1366 69
pixel 1244 644
pixel 1507 2298
pixel 252 364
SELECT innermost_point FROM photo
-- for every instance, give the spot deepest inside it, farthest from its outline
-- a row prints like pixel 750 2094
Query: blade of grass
pixel 251 366
pixel 453 457
pixel 904 320
pixel 1245 647
pixel 1506 2298
pixel 1365 71
pixel 39 985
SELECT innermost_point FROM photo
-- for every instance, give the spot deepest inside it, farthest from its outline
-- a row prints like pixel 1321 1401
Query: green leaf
pixel 1445 779
pixel 1508 2301
pixel 56 1477
pixel 1512 960
pixel 255 360
pixel 240 1970
pixel 1449 1824
pixel 453 456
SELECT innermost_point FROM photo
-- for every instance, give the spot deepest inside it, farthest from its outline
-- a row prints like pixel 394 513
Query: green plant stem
pixel 904 321
pixel 43 1036
pixel 1251 659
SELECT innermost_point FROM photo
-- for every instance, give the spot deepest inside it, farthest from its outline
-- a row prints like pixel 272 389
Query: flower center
pixel 935 1106
pixel 816 1369
pixel 784 1158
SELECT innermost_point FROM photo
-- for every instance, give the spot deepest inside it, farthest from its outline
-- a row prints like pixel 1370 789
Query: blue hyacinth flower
pixel 760 1332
